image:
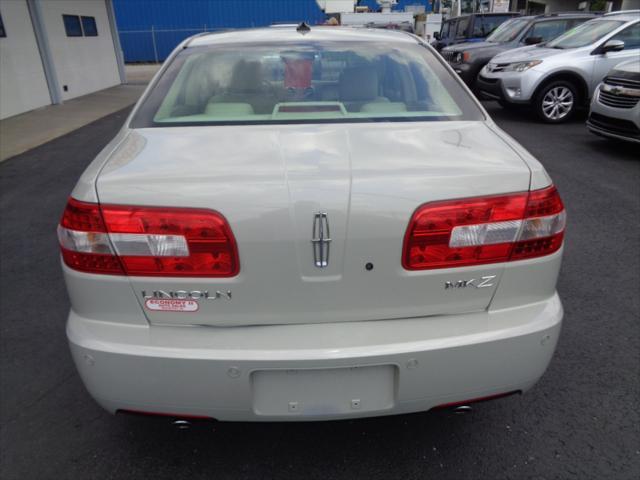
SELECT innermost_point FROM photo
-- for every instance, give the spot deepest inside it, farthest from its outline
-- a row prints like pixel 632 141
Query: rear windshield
pixel 294 83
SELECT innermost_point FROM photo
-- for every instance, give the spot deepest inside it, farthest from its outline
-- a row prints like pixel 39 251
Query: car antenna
pixel 303 28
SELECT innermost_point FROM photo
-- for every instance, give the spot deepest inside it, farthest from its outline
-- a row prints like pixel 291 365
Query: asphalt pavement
pixel 581 421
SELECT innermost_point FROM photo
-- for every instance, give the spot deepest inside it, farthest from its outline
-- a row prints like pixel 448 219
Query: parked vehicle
pixel 558 77
pixel 309 224
pixel 469 28
pixel 467 59
pixel 615 108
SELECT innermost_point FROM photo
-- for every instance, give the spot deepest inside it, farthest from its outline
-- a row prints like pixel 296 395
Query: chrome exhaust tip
pixel 462 409
pixel 181 424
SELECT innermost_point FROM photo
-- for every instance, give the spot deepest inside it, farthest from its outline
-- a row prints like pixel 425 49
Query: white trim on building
pixel 44 60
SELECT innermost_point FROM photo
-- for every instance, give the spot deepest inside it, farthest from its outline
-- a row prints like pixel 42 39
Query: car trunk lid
pixel 278 185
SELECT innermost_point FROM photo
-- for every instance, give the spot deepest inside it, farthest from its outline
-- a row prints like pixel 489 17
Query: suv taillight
pixel 147 241
pixel 474 231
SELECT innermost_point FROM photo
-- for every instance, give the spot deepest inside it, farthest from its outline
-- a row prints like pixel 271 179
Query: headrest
pixel 246 77
pixel 358 84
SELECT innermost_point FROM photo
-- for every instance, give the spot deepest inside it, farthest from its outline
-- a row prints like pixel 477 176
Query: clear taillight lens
pixel 147 241
pixel 483 230
pixel 543 228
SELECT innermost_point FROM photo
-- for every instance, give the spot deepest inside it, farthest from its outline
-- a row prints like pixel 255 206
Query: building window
pixel 89 27
pixel 72 25
pixel 3 32
pixel 77 26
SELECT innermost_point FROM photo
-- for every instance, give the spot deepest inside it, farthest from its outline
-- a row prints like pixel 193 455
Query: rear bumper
pixel 218 372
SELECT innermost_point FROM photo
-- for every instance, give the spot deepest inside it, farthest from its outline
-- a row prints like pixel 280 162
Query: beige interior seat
pixel 247 85
pixel 359 86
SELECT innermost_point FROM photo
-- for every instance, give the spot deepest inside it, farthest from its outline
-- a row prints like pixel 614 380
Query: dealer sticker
pixel 171 305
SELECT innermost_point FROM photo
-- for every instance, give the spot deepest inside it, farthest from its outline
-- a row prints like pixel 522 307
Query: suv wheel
pixel 556 102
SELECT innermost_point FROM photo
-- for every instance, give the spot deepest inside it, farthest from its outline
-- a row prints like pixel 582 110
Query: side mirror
pixel 532 40
pixel 612 46
pixel 436 35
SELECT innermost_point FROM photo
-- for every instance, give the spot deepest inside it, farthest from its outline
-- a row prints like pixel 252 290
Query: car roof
pixel 624 15
pixel 507 14
pixel 289 33
pixel 498 14
pixel 555 16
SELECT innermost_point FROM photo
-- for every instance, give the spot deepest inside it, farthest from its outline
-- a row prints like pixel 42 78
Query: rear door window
pixel 486 24
pixel 549 29
pixel 444 32
pixel 461 28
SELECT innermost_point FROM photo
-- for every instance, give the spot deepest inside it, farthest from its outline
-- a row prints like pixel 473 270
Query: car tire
pixel 556 102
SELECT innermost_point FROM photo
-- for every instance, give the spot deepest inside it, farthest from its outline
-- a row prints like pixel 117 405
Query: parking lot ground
pixel 140 73
pixel 31 129
pixel 581 421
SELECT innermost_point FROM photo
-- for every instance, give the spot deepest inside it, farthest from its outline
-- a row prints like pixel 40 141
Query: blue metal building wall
pixel 175 20
pixel 373 5
pixel 136 17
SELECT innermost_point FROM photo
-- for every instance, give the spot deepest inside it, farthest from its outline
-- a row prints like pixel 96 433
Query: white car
pixel 309 224
pixel 557 77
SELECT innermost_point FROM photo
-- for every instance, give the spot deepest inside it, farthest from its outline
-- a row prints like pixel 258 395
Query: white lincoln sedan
pixel 310 224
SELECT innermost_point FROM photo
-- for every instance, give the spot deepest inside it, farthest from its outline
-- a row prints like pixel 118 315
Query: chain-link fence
pixel 154 44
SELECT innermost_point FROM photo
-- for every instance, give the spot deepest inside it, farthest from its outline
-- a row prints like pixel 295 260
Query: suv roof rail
pixel 621 12
pixel 478 14
pixel 572 13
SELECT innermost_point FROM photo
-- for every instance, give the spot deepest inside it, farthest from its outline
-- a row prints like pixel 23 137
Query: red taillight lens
pixel 147 241
pixel 482 230
pixel 84 241
pixel 543 227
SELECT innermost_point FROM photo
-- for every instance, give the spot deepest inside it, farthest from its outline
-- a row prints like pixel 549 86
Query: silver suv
pixel 557 77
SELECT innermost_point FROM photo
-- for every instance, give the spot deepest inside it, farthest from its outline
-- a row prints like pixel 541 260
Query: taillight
pixel 481 230
pixel 84 240
pixel 147 241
